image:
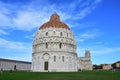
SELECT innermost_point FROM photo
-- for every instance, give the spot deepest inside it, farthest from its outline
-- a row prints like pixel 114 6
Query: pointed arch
pixel 60 45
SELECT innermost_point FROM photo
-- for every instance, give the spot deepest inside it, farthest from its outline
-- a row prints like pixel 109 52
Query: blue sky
pixel 95 24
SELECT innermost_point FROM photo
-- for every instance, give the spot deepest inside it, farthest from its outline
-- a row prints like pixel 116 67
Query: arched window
pixel 60 45
pixel 54 58
pixel 67 34
pixel 60 33
pixel 46 33
pixel 46 45
pixel 63 58
pixel 54 32
pixel 46 56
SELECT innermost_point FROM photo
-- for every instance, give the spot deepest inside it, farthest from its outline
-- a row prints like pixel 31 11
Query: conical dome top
pixel 55 17
pixel 54 22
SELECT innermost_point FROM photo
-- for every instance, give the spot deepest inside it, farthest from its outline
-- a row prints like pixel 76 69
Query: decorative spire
pixel 55 17
pixel 87 53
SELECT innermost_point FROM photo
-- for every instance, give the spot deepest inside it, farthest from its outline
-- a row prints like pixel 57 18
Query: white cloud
pixel 4 20
pixel 32 15
pixel 104 50
pixel 30 36
pixel 84 12
pixel 15 50
pixel 21 19
pixel 14 45
pixel 97 50
pixel 87 8
pixel 89 34
pixel 26 20
pixel 3 32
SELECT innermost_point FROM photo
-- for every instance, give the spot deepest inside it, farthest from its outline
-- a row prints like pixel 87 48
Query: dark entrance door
pixel 14 67
pixel 46 66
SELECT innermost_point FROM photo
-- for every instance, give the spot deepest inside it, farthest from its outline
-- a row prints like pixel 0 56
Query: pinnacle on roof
pixel 55 17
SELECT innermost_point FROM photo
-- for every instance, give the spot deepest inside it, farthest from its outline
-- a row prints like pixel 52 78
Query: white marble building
pixel 8 64
pixel 54 49
pixel 85 63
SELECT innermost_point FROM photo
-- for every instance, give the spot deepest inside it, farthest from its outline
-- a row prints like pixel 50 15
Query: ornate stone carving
pixel 55 38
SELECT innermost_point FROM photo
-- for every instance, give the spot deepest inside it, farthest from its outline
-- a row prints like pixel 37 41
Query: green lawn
pixel 87 75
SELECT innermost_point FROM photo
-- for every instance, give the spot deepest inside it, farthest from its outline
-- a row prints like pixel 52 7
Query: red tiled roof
pixel 55 23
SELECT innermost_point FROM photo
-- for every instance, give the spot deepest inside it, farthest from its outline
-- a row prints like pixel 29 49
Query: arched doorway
pixel 46 65
pixel 46 57
pixel 15 67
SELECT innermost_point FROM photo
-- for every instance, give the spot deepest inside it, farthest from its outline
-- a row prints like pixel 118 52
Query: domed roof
pixel 54 22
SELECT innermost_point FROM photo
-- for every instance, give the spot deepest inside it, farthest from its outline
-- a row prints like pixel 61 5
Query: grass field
pixel 86 75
